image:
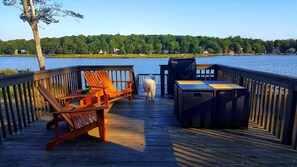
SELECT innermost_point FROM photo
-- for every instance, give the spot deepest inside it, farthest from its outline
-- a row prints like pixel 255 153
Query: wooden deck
pixel 140 133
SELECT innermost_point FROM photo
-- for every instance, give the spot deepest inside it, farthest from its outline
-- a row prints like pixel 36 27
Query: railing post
pixel 79 79
pixel 294 135
pixel 137 81
pixel 240 81
pixel 162 77
pixel 3 130
pixel 290 119
pixel 132 77
pixel 216 72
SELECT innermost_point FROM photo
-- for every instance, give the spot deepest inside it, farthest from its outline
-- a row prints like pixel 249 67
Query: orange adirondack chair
pixel 80 120
pixel 93 81
pixel 101 80
pixel 95 84
pixel 112 93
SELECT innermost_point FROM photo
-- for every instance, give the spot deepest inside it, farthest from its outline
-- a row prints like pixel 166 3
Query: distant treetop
pixel 150 44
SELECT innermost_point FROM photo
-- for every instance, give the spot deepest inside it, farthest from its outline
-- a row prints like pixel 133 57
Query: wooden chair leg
pixel 56 123
pixel 69 136
pixel 50 145
pixel 106 100
pixel 101 125
pixel 51 123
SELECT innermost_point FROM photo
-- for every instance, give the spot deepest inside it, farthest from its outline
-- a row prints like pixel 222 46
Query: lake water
pixel 286 65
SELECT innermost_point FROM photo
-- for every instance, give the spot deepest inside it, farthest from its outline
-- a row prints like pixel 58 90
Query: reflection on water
pixel 286 65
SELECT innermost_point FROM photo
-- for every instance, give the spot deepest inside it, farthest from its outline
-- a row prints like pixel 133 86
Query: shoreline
pixel 140 56
pixel 114 56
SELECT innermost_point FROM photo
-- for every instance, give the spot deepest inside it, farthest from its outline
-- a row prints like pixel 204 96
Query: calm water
pixel 286 65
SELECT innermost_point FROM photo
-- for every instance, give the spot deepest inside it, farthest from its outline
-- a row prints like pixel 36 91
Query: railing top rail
pixel 164 65
pixel 198 66
pixel 259 75
pixel 283 80
pixel 37 75
pixel 15 79
pixel 107 67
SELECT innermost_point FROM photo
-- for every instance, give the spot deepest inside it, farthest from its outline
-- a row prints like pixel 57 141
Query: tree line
pixel 149 44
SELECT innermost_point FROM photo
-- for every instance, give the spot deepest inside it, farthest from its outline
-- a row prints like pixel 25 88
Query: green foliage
pixel 8 71
pixel 47 10
pixel 147 44
pixel 24 71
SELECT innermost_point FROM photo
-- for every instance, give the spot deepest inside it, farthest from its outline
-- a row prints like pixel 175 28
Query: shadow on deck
pixel 140 133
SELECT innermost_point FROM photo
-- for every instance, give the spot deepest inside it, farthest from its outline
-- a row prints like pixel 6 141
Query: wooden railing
pixel 21 103
pixel 273 102
pixel 140 78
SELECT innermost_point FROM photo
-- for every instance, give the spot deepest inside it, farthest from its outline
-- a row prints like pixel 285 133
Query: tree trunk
pixel 38 47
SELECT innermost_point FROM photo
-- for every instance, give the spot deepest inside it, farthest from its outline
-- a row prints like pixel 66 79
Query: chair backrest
pixel 54 103
pixel 92 79
pixel 104 78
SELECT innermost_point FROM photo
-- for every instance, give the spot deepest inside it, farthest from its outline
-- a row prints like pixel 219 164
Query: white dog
pixel 149 86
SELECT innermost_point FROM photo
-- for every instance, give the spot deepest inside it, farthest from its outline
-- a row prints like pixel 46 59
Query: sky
pixel 257 19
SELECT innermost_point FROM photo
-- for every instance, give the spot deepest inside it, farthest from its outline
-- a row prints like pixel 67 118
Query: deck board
pixel 140 133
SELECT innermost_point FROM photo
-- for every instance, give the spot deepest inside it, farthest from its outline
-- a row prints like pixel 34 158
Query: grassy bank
pixel 9 71
pixel 17 55
pixel 110 56
pixel 126 55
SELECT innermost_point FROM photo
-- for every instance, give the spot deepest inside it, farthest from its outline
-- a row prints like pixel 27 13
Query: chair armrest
pixel 129 84
pixel 66 97
pixel 101 86
pixel 85 109
pixel 70 96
